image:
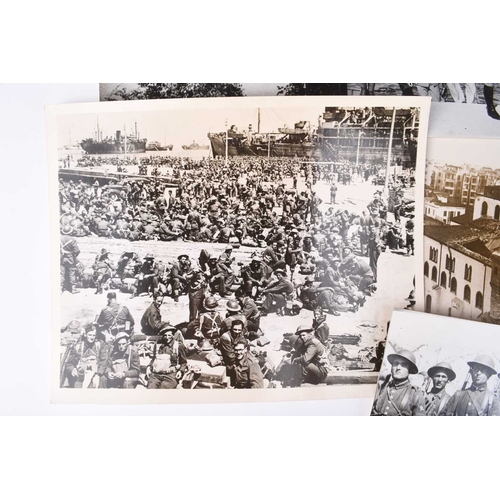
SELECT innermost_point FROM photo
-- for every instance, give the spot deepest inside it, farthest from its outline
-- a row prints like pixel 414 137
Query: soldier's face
pixel 400 369
pixel 91 336
pixel 440 380
pixel 480 375
pixel 122 345
pixel 239 351
pixel 237 330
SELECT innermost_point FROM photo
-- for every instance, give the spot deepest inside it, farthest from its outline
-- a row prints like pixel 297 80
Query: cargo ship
pixel 114 145
pixel 156 146
pixel 296 142
pixel 194 146
pixel 368 135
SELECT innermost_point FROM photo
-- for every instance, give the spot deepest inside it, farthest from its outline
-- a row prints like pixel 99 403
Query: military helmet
pixel 232 305
pixel 407 356
pixel 442 367
pixel 486 361
pixel 210 303
pixel 303 328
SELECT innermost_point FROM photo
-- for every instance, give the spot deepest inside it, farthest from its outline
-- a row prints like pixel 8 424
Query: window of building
pixel 445 213
pixel 434 275
pixel 484 209
pixel 428 304
pixel 450 264
pixel 426 269
pixel 479 300
pixel 433 254
pixel 453 285
pixel 443 280
pixel 497 213
pixel 468 273
pixel 467 293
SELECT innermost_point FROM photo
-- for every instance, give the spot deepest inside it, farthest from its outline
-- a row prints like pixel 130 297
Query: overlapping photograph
pixel 438 366
pixel 231 244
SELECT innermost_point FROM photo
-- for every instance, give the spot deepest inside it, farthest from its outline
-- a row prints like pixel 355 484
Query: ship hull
pixel 93 147
pixel 276 149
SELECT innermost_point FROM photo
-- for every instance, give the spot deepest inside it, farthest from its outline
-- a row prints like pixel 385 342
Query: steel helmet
pixel 210 303
pixel 407 356
pixel 442 367
pixel 484 360
pixel 232 305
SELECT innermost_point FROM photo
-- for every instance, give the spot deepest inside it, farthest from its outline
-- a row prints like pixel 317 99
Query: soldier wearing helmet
pixel 477 399
pixel 233 314
pixel 437 399
pixel 397 397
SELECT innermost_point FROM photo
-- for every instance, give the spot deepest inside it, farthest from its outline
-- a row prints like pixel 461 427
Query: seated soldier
pixel 308 355
pixel 87 360
pixel 249 309
pixel 103 270
pixel 233 314
pixel 151 319
pixel 208 324
pixel 321 329
pixel 276 293
pixel 180 274
pixel 169 363
pixel 226 342
pixel 148 276
pixel 255 276
pixel 123 367
pixel 114 318
pixel 245 372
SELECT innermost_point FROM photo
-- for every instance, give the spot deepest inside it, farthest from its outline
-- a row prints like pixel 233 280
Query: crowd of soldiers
pixel 397 396
pixel 317 258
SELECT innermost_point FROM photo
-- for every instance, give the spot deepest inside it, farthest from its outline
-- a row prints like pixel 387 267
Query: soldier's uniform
pixel 435 403
pixel 399 399
pixel 473 402
pixel 476 401
pixel 69 254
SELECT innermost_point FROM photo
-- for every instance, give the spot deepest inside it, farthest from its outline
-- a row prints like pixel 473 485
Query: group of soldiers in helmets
pixel 397 396
pixel 321 260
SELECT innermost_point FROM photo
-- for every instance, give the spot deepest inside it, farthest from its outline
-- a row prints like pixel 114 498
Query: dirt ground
pixel 395 282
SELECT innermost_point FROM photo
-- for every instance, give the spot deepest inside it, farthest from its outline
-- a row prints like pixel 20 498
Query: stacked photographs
pixel 245 243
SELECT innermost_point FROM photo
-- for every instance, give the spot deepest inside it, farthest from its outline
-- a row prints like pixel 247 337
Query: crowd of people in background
pixel 306 253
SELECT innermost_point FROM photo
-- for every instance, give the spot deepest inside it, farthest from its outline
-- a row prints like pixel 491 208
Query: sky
pixel 475 152
pixel 180 127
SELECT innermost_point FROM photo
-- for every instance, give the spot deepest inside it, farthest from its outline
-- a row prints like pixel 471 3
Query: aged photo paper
pixel 232 243
pixel 462 229
pixel 438 366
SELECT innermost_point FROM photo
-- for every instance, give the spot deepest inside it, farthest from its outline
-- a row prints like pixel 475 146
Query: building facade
pixel 462 263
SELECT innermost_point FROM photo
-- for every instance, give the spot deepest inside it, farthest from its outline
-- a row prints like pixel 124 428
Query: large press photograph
pixel 244 243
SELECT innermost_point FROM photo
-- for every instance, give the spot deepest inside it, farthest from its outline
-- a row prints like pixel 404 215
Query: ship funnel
pixel 118 135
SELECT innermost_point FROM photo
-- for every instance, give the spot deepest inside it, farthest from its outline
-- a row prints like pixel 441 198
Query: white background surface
pixel 25 295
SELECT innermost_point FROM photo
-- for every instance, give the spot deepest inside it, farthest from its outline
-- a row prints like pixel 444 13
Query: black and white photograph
pixel 458 109
pixel 438 366
pixel 250 243
pixel 462 229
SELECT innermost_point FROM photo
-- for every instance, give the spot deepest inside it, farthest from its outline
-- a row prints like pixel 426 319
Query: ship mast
pixel 227 143
pixel 258 120
pixel 98 134
pixel 389 152
pixel 125 139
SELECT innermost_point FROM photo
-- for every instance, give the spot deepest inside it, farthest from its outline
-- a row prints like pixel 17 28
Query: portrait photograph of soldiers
pixel 438 366
pixel 256 244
